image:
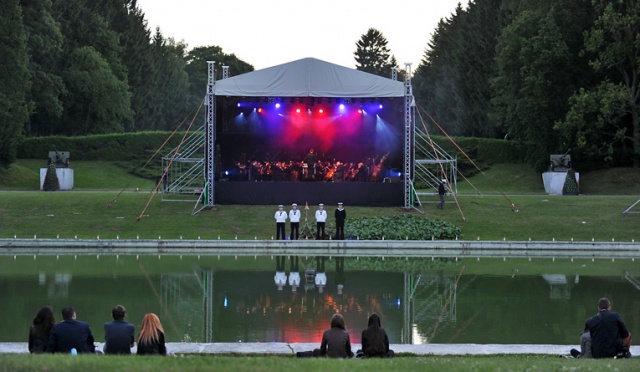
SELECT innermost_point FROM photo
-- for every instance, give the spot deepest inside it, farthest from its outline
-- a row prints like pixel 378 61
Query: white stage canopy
pixel 309 77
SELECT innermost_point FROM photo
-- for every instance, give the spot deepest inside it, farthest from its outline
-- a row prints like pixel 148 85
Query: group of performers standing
pixel 310 168
pixel 294 214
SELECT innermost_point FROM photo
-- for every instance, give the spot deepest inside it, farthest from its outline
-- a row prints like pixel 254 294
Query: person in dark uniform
pixel 340 216
pixel 281 221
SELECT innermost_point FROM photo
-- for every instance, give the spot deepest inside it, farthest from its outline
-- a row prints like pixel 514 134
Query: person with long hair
pixel 375 342
pixel 335 340
pixel 40 329
pixel 151 336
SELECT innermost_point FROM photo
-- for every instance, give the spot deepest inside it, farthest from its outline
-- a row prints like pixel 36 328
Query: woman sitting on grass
pixel 151 337
pixel 39 331
pixel 375 342
pixel 335 341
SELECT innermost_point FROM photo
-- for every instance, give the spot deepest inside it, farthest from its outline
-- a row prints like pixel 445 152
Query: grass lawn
pixel 84 212
pixel 286 363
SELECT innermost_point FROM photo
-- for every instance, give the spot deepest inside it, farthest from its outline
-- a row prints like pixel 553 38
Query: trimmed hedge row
pixel 482 150
pixel 106 147
pixel 140 145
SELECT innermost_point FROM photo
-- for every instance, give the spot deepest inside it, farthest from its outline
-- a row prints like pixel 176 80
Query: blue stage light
pixel 277 105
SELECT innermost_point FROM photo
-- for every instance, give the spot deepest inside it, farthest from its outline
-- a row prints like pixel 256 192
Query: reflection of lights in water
pixel 398 303
pixel 417 338
pixel 226 301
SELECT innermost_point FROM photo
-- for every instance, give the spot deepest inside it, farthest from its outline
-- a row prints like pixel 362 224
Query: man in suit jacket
pixel 118 334
pixel 70 334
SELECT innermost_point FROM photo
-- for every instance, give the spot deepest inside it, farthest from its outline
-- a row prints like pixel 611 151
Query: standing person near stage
pixel 281 221
pixel 321 221
pixel 341 216
pixel 294 218
pixel 609 335
pixel 442 190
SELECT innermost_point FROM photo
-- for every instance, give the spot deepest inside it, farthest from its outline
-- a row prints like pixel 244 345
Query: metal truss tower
pixel 409 138
pixel 210 136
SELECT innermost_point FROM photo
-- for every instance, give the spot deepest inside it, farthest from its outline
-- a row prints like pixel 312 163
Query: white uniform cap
pixel 281 206
pixel 443 180
pixel 294 205
pixel 322 205
pixel 340 203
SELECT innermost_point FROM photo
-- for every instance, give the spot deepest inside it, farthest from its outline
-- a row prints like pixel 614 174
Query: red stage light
pixel 297 111
pixel 359 111
pixel 260 109
pixel 321 111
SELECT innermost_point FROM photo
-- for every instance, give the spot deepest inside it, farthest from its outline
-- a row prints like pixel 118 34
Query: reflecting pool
pixel 257 299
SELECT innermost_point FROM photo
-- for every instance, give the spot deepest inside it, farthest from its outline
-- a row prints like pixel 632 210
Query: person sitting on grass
pixel 585 344
pixel 151 337
pixel 609 335
pixel 335 342
pixel 39 331
pixel 375 342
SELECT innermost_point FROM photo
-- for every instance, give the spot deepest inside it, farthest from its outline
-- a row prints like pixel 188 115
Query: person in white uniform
pixel 321 221
pixel 281 221
pixel 281 277
pixel 294 218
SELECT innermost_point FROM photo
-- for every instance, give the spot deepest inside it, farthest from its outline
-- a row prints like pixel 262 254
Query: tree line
pixel 558 75
pixel 77 67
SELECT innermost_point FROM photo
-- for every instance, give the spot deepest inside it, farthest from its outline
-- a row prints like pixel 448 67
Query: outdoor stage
pixel 307 131
pixel 378 194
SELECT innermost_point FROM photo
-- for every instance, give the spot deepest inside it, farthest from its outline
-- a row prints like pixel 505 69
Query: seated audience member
pixel 151 336
pixel 118 334
pixel 335 342
pixel 585 344
pixel 609 335
pixel 70 334
pixel 39 331
pixel 375 342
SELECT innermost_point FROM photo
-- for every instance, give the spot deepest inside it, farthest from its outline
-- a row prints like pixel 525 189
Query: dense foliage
pixel 75 68
pixel 553 75
pixel 559 76
pixel 403 227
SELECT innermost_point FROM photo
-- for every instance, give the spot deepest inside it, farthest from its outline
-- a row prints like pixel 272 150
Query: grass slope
pixel 487 215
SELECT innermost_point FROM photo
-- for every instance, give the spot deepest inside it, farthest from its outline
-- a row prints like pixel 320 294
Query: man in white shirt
pixel 281 221
pixel 294 218
pixel 321 220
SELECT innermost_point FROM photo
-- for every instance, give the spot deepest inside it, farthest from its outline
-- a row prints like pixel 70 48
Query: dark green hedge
pixel 106 147
pixel 481 150
pixel 141 145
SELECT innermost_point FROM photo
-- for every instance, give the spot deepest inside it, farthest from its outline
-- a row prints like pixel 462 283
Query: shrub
pixel 402 227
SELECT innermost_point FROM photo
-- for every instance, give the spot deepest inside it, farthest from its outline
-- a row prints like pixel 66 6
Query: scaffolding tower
pixel 432 165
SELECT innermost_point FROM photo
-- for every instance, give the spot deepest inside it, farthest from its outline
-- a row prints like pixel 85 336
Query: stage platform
pixel 378 194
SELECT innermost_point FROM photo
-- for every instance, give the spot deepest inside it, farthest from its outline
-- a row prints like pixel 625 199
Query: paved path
pixel 285 348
